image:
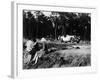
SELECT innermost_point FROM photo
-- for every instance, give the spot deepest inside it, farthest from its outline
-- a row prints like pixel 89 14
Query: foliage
pixel 39 25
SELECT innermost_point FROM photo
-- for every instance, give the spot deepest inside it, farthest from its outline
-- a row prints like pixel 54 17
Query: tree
pixel 54 19
pixel 37 25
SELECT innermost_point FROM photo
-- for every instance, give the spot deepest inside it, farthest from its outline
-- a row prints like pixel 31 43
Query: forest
pixel 38 24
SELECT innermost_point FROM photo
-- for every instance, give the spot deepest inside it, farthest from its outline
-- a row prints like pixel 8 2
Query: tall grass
pixel 55 59
pixel 52 59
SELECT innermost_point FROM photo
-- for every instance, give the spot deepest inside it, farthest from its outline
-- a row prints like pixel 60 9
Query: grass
pixel 54 59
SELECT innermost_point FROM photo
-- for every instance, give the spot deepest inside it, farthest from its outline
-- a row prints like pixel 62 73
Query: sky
pixel 46 13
